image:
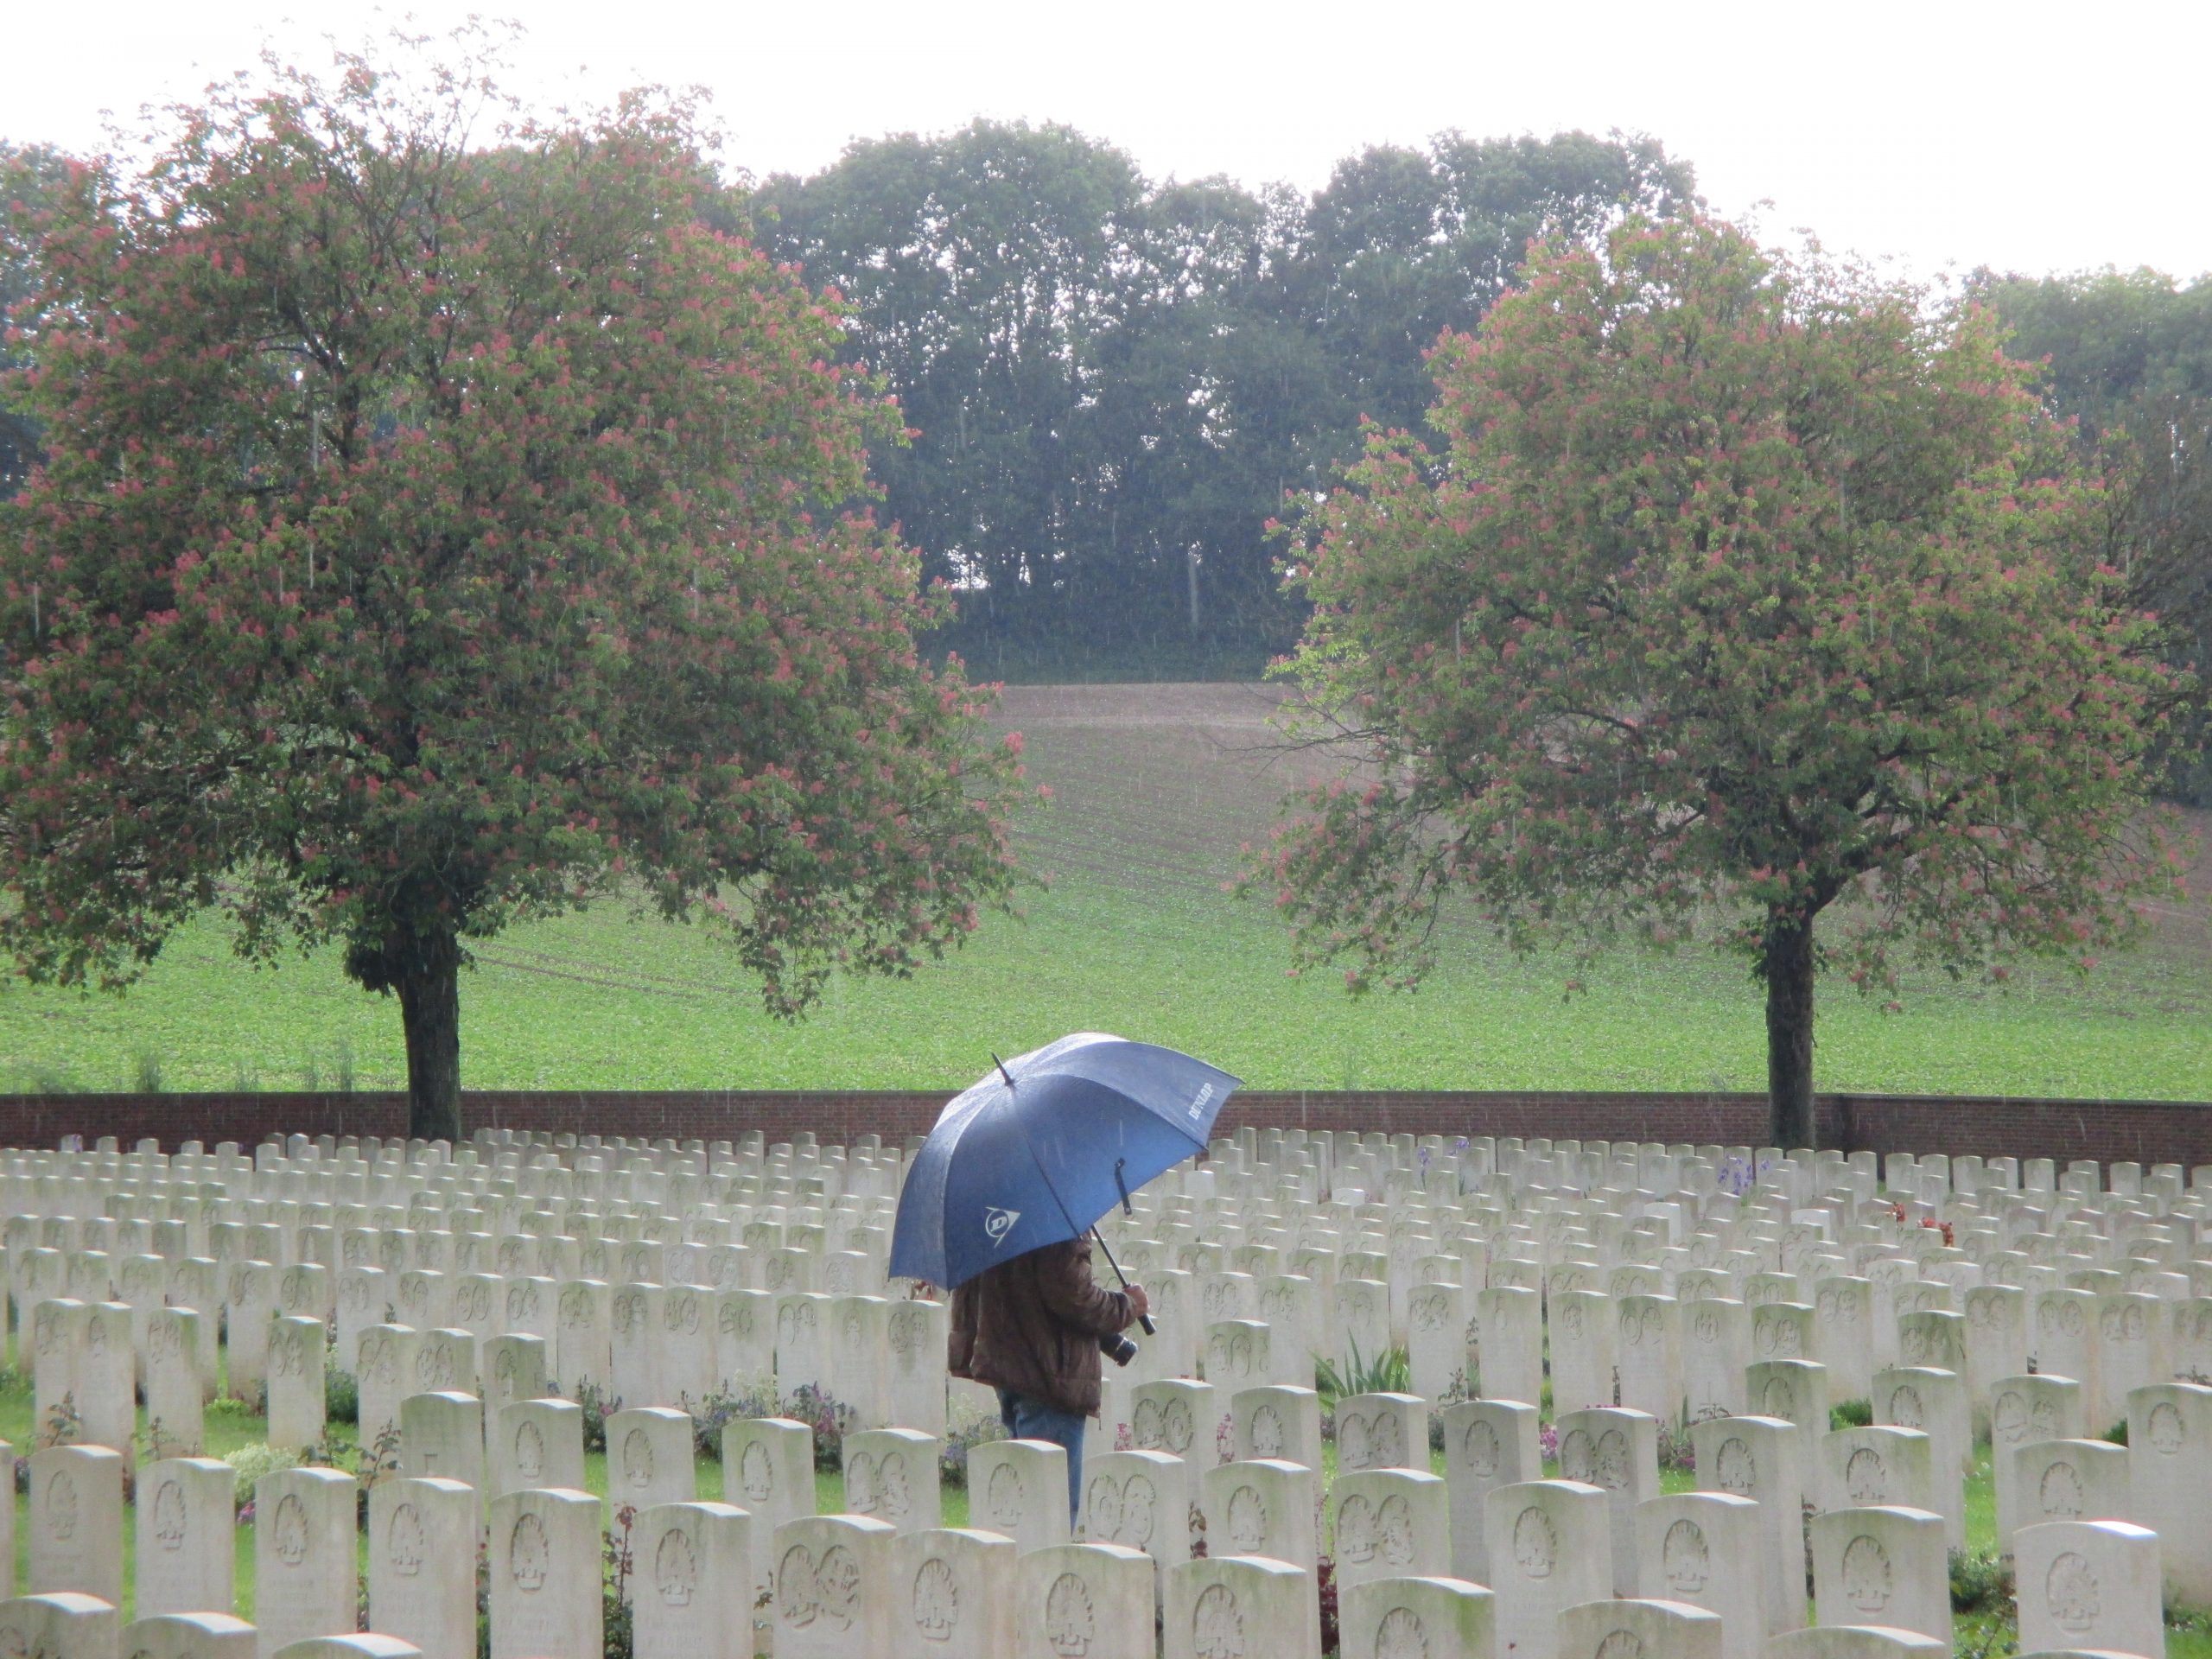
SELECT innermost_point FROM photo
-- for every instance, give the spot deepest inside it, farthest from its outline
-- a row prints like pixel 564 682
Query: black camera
pixel 1118 1348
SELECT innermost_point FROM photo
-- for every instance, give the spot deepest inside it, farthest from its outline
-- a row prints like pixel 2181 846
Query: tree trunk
pixel 429 987
pixel 1787 965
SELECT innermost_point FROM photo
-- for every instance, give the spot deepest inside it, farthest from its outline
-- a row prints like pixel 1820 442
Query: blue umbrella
pixel 1044 1146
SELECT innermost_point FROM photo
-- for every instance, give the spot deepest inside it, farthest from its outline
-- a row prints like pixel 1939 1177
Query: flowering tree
pixel 1737 591
pixel 436 533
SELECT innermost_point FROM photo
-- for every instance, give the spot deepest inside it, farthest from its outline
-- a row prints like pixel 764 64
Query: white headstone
pixel 422 1548
pixel 893 1475
pixel 952 1590
pixel 1551 1548
pixel 1240 1607
pixel 1084 1601
pixel 2089 1586
pixel 187 1514
pixel 75 1521
pixel 833 1580
pixel 691 1563
pixel 305 1581
pixel 1884 1566
pixel 545 1576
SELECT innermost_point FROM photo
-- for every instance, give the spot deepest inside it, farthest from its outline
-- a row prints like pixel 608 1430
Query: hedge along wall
pixel 2146 1132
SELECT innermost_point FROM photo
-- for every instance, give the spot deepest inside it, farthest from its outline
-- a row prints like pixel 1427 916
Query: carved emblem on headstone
pixel 679 1312
pixel 291 1530
pixel 637 1459
pixel 1867 1574
pixel 1610 1469
pixel 799 1597
pixel 1400 1635
pixel 1003 1497
pixel 1102 1508
pixel 1479 1444
pixel 906 1334
pixel 1355 1539
pixel 1070 1623
pixel 675 1568
pixel 937 1601
pixel 530 1453
pixel 1217 1625
pixel 2071 1592
pixel 169 1515
pixel 756 1473
pixel 837 1581
pixel 528 1555
pixel 1905 1409
pixel 1139 1504
pixel 2059 1493
pixel 1535 1543
pixel 1248 1520
pixel 404 1547
pixel 1866 1477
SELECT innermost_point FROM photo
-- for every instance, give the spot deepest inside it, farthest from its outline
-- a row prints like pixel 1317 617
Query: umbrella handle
pixel 1144 1320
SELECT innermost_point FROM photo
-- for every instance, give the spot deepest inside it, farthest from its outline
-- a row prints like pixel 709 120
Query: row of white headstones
pixel 1786 1287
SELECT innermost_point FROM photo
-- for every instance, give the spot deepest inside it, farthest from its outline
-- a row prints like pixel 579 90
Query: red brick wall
pixel 2142 1131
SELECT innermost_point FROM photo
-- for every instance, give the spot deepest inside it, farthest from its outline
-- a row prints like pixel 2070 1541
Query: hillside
pixel 1154 787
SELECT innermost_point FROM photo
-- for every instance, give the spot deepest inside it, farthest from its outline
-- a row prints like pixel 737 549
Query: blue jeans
pixel 1033 1420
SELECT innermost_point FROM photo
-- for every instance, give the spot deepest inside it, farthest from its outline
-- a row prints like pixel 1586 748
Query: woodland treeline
pixel 1114 383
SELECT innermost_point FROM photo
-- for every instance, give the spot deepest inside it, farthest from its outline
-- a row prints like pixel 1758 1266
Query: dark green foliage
pixel 959 1440
pixel 1388 1372
pixel 1114 383
pixel 28 175
pixel 615 1622
pixel 1851 1413
pixel 2127 356
pixel 1981 1581
pixel 597 1408
pixel 341 1391
pixel 717 1411
pixel 827 1416
pixel 2117 1433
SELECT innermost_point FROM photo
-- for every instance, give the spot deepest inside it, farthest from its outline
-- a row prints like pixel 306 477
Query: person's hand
pixel 1140 1303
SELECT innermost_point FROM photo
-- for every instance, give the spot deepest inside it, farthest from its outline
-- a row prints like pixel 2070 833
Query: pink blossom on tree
pixel 447 520
pixel 1738 588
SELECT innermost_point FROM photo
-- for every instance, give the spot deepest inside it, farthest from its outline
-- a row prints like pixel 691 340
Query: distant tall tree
pixel 33 174
pixel 2128 356
pixel 981 267
pixel 1401 245
pixel 1115 382
pixel 434 536
pixel 1738 592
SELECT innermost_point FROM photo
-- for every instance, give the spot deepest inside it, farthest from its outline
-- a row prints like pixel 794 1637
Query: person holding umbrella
pixel 1000 1203
pixel 1033 1328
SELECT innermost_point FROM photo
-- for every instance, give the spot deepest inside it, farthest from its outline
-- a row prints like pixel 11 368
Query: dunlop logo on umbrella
pixel 998 1222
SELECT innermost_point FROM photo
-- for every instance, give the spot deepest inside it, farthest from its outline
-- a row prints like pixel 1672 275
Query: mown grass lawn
pixel 1136 935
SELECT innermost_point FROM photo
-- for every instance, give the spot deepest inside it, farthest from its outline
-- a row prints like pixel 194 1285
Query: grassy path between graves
pixel 1154 788
pixel 1985 1634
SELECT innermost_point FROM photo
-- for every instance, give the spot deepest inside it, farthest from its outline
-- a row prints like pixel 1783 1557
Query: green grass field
pixel 1155 786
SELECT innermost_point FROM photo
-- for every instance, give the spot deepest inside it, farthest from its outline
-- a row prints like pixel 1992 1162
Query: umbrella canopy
pixel 1036 1151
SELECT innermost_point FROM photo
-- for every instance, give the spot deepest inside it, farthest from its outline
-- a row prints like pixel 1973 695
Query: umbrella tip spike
pixel 1004 1072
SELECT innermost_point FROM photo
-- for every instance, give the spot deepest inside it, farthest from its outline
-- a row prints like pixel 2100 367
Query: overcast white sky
pixel 2021 136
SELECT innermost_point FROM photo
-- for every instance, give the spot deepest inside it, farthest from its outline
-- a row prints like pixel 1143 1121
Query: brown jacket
pixel 1031 1324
